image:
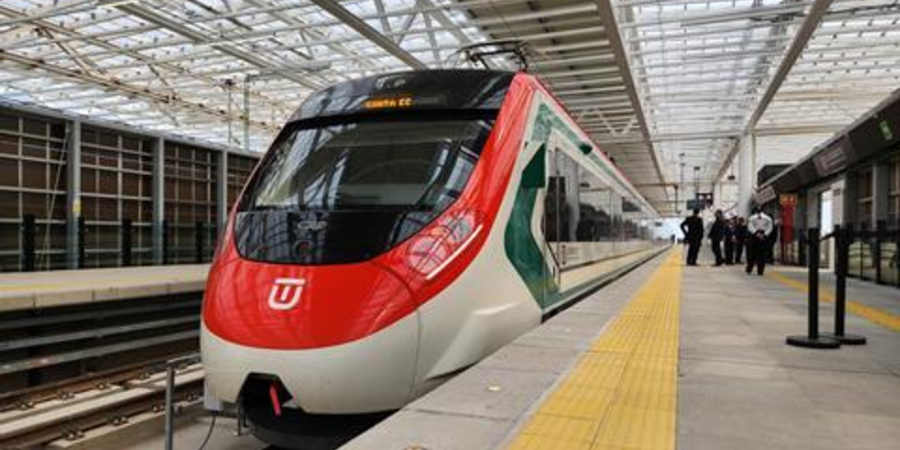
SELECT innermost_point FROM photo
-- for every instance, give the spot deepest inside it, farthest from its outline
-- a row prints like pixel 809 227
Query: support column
pixel 247 80
pixel 851 200
pixel 73 193
pixel 881 179
pixel 159 198
pixel 746 174
pixel 719 199
pixel 221 191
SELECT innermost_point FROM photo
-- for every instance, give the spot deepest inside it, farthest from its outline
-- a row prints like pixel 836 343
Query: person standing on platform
pixel 730 236
pixel 740 239
pixel 716 235
pixel 759 228
pixel 692 227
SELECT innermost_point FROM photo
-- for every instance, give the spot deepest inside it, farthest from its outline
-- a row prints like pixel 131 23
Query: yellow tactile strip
pixel 874 315
pixel 622 393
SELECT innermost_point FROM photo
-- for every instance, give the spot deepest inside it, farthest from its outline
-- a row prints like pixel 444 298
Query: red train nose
pixel 301 307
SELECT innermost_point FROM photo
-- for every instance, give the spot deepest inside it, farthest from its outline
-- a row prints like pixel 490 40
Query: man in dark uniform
pixel 716 235
pixel 740 240
pixel 692 227
pixel 759 228
pixel 730 238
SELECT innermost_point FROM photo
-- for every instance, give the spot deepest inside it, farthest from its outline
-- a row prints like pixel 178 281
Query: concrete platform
pixel 741 387
pixel 22 291
pixel 663 358
pixel 484 407
pixel 738 385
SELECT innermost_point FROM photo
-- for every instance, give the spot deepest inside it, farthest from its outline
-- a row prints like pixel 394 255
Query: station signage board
pixel 831 160
pixel 787 199
pixel 764 195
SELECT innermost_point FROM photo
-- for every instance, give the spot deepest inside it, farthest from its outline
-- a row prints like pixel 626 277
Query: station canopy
pixel 663 86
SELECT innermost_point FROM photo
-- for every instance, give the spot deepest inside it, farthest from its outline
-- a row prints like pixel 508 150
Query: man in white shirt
pixel 759 228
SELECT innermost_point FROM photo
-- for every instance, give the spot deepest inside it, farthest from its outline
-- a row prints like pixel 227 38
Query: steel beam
pixel 158 197
pixel 199 38
pixel 810 23
pixel 125 88
pixel 73 192
pixel 221 191
pixel 357 24
pixel 608 18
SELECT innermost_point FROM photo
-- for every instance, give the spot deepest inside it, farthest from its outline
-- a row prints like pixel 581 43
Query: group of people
pixel 757 234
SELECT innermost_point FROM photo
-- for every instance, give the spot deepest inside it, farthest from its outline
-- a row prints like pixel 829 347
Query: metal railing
pixel 874 254
pixel 199 250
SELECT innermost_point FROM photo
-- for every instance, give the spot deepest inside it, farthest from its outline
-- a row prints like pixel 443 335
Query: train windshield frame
pixel 345 189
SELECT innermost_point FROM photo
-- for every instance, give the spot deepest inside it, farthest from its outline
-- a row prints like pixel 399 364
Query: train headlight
pixel 439 244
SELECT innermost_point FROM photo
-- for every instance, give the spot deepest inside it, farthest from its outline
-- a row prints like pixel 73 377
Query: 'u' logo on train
pixel 285 293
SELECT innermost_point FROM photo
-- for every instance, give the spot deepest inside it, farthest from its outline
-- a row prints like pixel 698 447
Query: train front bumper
pixel 372 374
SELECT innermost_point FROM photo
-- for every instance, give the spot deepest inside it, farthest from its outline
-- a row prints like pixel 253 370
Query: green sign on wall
pixel 886 130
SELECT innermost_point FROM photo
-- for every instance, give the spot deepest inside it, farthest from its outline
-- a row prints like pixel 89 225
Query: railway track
pixel 32 418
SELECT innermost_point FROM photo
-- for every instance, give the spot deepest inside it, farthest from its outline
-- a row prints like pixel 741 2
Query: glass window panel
pixel 9 205
pixel 9 144
pixel 34 175
pixel 9 172
pixel 35 148
pixel 10 123
pixel 34 126
pixel 35 204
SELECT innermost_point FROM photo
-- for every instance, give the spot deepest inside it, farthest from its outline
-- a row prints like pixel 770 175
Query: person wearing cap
pixel 692 227
pixel 759 228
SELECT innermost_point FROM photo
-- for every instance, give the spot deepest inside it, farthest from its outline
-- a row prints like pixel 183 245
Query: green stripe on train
pixel 522 247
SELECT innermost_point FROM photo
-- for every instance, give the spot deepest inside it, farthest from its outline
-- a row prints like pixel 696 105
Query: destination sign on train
pixel 389 102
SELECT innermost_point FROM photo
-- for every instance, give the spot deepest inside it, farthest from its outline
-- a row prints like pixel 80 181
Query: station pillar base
pixel 820 342
pixel 847 339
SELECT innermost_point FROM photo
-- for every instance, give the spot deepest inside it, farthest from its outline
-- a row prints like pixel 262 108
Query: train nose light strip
pixel 456 253
pixel 276 404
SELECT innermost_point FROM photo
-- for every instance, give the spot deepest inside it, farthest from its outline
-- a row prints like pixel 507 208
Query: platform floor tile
pixel 622 393
pixel 873 314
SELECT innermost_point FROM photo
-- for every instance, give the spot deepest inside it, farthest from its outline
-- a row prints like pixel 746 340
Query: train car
pixel 401 228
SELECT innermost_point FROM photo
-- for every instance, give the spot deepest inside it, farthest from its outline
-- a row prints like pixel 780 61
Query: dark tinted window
pixel 348 191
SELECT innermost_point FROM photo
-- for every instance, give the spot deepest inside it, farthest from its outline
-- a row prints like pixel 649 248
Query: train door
pixel 553 224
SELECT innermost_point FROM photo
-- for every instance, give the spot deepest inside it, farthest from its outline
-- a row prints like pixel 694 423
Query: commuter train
pixel 401 228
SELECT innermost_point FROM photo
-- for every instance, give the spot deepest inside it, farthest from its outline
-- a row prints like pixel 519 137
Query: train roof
pixel 445 89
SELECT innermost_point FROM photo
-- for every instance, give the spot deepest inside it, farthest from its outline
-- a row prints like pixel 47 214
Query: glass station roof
pixel 790 72
pixel 658 83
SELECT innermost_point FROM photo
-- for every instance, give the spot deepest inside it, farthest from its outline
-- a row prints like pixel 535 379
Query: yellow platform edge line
pixel 870 313
pixel 622 392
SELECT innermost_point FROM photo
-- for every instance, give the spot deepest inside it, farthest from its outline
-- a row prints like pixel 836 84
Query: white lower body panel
pixel 370 375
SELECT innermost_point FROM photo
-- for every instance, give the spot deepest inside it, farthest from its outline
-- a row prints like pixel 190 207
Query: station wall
pixel 75 193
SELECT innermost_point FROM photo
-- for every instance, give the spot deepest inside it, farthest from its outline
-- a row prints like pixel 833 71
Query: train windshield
pixel 347 190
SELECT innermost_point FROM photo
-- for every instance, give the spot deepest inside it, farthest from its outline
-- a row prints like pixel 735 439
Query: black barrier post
pixel 82 241
pixel 812 339
pixel 126 242
pixel 29 245
pixel 199 242
pixel 896 259
pixel 843 239
pixel 863 241
pixel 165 242
pixel 880 233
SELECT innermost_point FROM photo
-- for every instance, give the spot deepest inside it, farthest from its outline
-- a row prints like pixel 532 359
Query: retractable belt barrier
pixel 813 339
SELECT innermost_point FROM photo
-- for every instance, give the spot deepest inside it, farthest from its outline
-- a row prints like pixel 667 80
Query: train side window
pixel 561 208
pixel 595 219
